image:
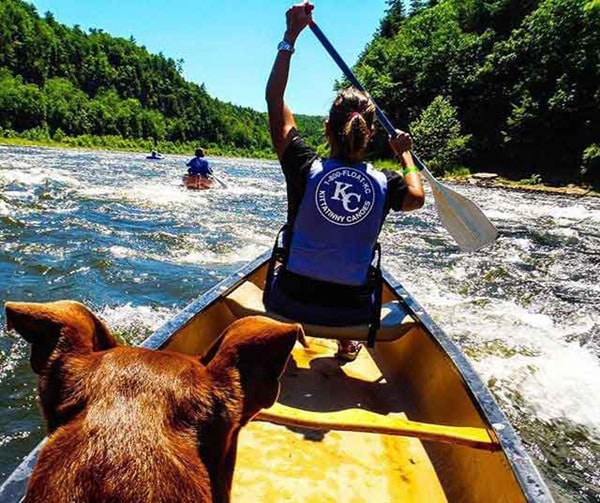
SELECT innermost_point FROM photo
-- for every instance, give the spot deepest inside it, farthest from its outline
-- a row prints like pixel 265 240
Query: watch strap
pixel 285 46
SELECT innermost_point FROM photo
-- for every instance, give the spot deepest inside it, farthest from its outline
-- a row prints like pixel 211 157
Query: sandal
pixel 348 350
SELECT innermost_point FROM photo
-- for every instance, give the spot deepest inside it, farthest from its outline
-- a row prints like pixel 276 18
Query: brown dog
pixel 134 425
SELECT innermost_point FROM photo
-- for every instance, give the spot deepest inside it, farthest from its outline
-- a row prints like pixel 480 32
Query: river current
pixel 119 233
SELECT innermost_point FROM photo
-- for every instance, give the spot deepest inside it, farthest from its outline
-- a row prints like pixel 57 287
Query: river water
pixel 119 233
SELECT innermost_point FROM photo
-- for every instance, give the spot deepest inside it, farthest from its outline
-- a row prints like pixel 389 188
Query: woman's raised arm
pixel 281 119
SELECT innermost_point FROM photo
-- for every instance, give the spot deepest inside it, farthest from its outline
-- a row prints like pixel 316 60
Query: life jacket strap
pixel 278 255
pixel 376 280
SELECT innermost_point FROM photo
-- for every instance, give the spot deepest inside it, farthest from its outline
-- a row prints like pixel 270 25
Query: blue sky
pixel 230 45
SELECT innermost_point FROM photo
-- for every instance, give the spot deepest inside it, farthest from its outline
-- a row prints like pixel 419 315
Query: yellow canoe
pixel 408 421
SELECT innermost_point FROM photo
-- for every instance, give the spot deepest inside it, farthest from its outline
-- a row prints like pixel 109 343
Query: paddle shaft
pixel 465 222
pixel 385 122
pixel 223 184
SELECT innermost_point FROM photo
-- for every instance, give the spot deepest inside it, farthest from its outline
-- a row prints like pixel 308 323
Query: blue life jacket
pixel 338 222
pixel 199 166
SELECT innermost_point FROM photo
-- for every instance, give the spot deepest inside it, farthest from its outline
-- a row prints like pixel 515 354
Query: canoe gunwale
pixel 527 475
pixel 160 337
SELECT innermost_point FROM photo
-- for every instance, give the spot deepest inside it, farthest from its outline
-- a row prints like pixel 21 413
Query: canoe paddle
pixel 221 182
pixel 465 222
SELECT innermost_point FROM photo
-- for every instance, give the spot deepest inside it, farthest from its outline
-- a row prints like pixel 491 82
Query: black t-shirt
pixel 296 162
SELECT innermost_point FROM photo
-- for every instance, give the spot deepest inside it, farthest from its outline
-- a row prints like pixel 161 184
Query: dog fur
pixel 134 425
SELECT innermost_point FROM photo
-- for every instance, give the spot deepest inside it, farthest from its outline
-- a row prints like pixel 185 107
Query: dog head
pixel 81 367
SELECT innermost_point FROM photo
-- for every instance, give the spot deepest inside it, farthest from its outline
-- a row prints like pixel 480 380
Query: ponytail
pixel 355 135
pixel 351 120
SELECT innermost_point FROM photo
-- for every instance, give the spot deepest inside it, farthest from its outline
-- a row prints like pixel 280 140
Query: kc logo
pixel 341 195
pixel 345 196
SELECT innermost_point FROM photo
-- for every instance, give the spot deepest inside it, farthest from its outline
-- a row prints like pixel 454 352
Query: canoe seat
pixel 246 300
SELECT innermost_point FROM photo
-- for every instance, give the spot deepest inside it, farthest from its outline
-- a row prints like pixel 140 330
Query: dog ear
pixel 45 325
pixel 257 348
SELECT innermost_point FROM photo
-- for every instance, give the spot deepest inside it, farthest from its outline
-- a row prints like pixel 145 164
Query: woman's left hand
pixel 297 16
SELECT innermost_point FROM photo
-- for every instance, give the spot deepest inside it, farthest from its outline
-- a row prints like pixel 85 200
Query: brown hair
pixel 350 122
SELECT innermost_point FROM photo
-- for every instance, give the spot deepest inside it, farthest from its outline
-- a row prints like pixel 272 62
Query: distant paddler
pixel 199 165
pixel 199 175
pixel 154 155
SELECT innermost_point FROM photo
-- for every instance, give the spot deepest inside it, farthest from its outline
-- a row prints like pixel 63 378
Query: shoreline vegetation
pixel 506 86
pixel 460 176
pixel 68 86
pixel 117 143
pixel 464 78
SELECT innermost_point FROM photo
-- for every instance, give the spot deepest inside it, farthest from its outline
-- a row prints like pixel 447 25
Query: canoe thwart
pixel 360 420
pixel 246 300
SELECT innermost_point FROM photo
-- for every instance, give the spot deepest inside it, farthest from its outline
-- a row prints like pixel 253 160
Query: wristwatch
pixel 284 45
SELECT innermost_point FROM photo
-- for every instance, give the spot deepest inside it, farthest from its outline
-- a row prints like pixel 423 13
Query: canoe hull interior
pixel 413 375
pixel 419 377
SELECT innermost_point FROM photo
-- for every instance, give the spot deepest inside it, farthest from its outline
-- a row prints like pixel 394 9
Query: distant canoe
pixel 158 158
pixel 197 182
pixel 408 421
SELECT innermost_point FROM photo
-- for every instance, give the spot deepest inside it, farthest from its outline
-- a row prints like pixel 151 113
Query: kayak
pixel 153 158
pixel 407 421
pixel 197 182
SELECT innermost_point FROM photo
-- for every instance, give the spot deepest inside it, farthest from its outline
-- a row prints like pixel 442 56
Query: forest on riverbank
pixel 509 86
pixel 89 89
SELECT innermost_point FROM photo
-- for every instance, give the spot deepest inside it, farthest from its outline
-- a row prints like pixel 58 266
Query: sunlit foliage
pixel 68 82
pixel 524 76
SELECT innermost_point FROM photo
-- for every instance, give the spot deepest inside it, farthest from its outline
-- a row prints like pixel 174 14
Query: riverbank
pixel 465 177
pixel 118 144
pixel 523 185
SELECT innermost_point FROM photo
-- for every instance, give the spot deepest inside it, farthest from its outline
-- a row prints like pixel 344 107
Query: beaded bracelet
pixel 409 170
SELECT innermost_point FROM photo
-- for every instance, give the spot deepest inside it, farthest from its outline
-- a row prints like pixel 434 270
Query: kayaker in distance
pixel 336 206
pixel 199 165
pixel 154 155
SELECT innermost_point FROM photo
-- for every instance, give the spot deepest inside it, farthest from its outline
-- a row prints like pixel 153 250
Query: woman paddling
pixel 336 206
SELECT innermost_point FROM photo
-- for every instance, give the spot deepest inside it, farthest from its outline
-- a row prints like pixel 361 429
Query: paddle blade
pixel 465 222
pixel 220 181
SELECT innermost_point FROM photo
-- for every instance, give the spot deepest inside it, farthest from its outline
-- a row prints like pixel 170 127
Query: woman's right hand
pixel 297 16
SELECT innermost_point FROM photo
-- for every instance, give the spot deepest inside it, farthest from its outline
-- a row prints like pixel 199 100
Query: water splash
pixel 132 324
pixel 121 234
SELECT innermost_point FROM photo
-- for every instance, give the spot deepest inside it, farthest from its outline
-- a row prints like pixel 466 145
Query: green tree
pixel 590 167
pixel 21 105
pixel 438 137
pixel 416 6
pixel 66 107
pixel 394 16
